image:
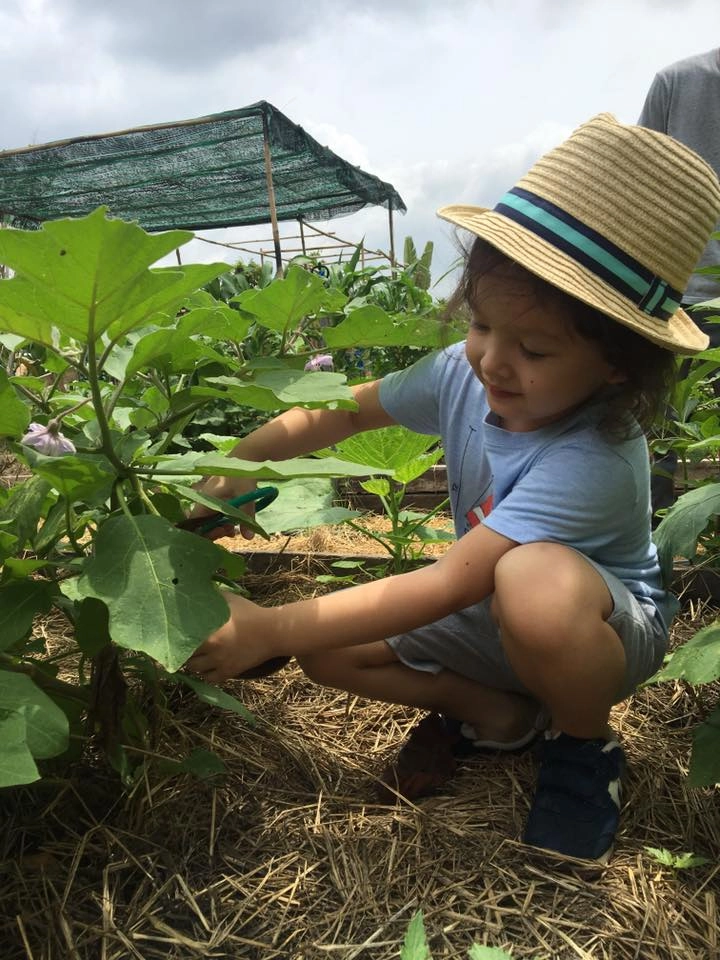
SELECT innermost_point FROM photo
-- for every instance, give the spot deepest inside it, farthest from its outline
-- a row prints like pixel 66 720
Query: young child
pixel 550 608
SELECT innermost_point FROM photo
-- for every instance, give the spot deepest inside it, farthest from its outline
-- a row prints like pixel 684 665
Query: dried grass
pixel 288 856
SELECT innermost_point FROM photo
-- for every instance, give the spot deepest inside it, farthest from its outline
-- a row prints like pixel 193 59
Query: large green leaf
pixel 280 389
pixel 77 476
pixel 302 504
pixel 705 758
pixel 20 601
pixel 678 532
pixel 87 275
pixel 697 661
pixel 159 290
pixel 371 326
pixel 166 350
pixel 218 321
pixel 24 508
pixel 395 450
pixel 156 583
pixel 215 464
pixel 284 303
pixel 14 414
pixel 46 724
pixel 16 762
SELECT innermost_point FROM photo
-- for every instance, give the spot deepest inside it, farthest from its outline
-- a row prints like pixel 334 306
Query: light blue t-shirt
pixel 564 483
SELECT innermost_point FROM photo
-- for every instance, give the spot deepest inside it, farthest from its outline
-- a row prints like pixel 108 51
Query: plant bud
pixel 48 440
pixel 323 361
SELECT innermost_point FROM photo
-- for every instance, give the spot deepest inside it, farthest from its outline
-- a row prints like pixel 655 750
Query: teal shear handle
pixel 262 497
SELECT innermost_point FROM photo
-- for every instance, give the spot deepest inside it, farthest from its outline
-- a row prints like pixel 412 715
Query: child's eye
pixel 532 354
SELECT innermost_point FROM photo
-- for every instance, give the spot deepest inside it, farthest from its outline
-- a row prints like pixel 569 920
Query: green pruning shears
pixel 262 496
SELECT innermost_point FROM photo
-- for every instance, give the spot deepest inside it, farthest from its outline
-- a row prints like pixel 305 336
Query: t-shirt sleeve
pixel 654 114
pixel 574 494
pixel 412 396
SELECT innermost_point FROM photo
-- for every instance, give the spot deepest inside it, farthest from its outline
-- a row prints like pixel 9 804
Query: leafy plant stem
pixel 175 418
pixel 64 413
pixel 114 397
pixel 32 397
pixel 93 375
pixel 373 536
pixel 69 528
pixel 47 683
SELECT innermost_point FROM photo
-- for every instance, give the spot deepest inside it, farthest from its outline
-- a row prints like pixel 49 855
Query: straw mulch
pixel 288 855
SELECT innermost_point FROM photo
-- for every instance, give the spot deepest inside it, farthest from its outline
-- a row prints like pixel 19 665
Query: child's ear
pixel 616 376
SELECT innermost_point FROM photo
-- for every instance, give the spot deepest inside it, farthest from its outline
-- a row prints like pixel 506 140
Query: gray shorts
pixel 468 642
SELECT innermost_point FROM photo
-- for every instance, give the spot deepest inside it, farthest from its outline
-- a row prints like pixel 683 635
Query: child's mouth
pixel 499 394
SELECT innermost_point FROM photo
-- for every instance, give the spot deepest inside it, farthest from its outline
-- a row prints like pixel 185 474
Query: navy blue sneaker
pixel 576 810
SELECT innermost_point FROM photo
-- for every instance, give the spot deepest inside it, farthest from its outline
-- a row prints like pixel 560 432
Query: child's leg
pixel 580 641
pixel 552 607
pixel 373 670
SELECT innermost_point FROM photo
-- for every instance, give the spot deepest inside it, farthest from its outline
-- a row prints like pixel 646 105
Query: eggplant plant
pixel 397 457
pixel 126 355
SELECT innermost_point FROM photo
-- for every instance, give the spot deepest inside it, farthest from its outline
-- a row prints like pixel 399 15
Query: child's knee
pixel 321 668
pixel 546 593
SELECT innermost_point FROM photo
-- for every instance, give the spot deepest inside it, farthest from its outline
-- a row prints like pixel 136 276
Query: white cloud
pixel 448 102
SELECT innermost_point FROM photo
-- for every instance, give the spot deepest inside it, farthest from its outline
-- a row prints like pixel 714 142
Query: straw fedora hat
pixel 616 216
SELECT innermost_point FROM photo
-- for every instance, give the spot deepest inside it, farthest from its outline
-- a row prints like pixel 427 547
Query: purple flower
pixel 48 440
pixel 323 361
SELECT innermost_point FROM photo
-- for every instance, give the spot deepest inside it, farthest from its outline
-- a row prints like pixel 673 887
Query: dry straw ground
pixel 288 856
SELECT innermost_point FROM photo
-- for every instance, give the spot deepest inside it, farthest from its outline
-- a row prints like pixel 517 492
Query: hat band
pixel 650 293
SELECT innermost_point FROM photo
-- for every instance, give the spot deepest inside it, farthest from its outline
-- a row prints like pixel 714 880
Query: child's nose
pixel 494 359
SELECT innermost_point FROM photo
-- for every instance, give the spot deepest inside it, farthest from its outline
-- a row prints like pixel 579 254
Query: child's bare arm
pixel 298 431
pixel 292 434
pixel 362 614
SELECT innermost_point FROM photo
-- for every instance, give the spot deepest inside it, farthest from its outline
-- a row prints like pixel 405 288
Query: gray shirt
pixel 684 102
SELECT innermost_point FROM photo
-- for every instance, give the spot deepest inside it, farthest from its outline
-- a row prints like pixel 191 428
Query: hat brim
pixel 540 257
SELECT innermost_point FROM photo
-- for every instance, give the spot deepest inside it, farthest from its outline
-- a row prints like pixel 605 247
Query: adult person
pixel 684 102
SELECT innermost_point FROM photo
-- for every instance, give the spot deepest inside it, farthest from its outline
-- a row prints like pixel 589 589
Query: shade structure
pixel 247 166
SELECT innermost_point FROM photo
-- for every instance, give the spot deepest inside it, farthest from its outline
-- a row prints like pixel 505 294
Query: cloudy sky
pixel 449 100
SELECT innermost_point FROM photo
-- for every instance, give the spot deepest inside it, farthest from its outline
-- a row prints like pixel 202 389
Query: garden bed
pixel 289 856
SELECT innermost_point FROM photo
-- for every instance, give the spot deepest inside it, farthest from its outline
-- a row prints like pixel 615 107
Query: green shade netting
pixel 194 174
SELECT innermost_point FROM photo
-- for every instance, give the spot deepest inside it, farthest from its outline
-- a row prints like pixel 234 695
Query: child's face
pixel 535 368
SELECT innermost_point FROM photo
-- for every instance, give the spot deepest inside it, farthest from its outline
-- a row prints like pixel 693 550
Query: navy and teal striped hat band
pixel 649 292
pixel 617 216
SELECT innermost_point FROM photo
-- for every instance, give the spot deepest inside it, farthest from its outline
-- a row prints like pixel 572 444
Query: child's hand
pixel 239 645
pixel 225 488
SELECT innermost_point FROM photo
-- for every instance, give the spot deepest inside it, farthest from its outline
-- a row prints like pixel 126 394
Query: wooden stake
pixel 392 233
pixel 271 196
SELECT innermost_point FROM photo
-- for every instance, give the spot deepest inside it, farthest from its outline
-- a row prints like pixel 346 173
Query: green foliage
pixel 678 861
pixel 415 945
pixel 405 456
pixel 705 758
pixel 690 529
pixel 124 361
pixel 682 528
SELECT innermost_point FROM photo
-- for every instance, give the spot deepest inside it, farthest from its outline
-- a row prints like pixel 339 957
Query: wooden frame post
pixel 392 233
pixel 302 235
pixel 271 196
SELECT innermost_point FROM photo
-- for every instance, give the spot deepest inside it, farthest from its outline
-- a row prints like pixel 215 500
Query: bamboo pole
pixel 392 233
pixel 302 235
pixel 271 196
